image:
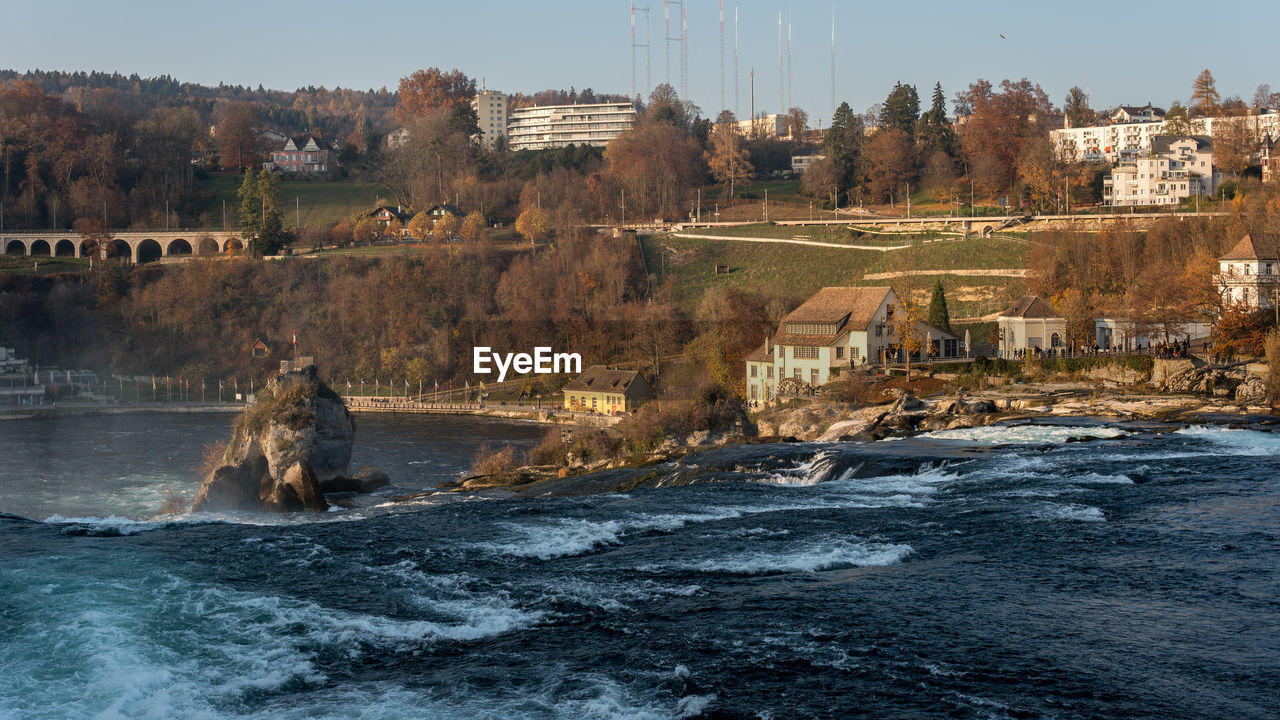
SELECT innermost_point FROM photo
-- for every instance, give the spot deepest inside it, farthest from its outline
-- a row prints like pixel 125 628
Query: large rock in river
pixel 286 448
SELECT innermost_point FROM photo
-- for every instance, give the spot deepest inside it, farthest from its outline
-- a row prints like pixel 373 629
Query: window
pixel 854 353
pixel 753 370
pixel 839 353
pixel 768 372
pixel 796 373
pixel 806 353
pixel 753 391
pixel 593 403
pixel 879 331
pixel 813 376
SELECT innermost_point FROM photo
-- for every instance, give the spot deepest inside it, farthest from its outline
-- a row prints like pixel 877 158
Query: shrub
pixel 551 451
pixel 173 502
pixel 491 461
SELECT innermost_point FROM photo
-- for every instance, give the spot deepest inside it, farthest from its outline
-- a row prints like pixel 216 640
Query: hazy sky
pixel 1121 52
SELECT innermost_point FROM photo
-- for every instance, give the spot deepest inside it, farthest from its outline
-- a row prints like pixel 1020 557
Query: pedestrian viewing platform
pixel 544 412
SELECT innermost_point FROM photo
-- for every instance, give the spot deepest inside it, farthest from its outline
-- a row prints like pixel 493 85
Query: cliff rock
pixel 286 450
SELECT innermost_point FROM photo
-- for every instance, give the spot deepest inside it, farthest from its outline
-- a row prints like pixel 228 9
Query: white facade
pixel 1174 168
pixel 492 114
pixel 1112 333
pixel 770 126
pixel 556 126
pixel 1115 141
pixel 800 162
pixel 1249 275
pixel 1030 324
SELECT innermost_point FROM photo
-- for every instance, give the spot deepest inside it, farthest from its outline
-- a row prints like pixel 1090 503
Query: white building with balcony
pixel 1249 274
pixel 556 126
pixel 1113 141
pixel 1174 167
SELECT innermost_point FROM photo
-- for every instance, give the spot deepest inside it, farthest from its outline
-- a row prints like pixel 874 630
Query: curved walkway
pixel 787 241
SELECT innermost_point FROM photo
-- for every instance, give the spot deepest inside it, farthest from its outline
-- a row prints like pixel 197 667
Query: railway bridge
pixel 137 246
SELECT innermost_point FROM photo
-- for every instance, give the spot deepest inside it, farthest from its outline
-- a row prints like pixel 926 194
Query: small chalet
pixel 438 211
pixel 305 154
pixel 1030 324
pixel 387 214
pixel 1249 274
pixel 610 392
pixel 260 349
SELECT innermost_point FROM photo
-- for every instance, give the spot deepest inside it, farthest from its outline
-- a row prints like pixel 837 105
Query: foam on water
pixel 1022 434
pixel 1234 441
pixel 565 537
pixel 808 557
pixel 1056 511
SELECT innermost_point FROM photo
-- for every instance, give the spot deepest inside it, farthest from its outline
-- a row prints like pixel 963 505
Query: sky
pixel 1121 52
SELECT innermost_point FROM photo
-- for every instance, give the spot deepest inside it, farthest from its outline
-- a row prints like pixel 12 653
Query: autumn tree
pixel 998 126
pixel 420 225
pixel 656 164
pixel 905 320
pixel 474 228
pixel 939 174
pixel 1239 332
pixel 365 231
pixel 727 158
pixel 1204 95
pixel 821 180
pixel 1235 141
pixel 1176 120
pixel 891 163
pixel 423 91
pixel 95 237
pixel 1050 172
pixel 797 123
pixel 238 136
pixel 446 226
pixel 534 223
pixel 1076 107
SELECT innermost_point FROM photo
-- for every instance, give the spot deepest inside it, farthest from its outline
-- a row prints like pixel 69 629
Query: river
pixel 1006 572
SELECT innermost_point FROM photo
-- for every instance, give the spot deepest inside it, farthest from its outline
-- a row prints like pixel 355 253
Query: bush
pixel 551 451
pixel 491 461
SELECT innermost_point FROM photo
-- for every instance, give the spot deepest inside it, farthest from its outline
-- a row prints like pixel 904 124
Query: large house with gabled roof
pixel 305 154
pixel 603 390
pixel 835 329
pixel 1249 274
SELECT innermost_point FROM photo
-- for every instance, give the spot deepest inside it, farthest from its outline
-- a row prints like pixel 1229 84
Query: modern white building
pixel 1249 274
pixel 1175 167
pixel 771 125
pixel 492 112
pixel 556 126
pixel 1030 324
pixel 1112 141
pixel 1117 334
pixel 804 158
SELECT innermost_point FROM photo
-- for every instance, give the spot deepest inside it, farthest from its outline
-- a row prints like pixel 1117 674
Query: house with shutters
pixel 836 329
pixel 609 392
pixel 1249 274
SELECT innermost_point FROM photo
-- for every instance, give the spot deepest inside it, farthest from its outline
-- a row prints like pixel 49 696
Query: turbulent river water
pixel 1004 572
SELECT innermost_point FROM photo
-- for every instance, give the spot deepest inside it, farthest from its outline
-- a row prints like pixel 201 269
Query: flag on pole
pixel 153 383
pixel 295 338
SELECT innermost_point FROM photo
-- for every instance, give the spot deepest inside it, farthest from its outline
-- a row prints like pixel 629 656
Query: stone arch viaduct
pixel 136 245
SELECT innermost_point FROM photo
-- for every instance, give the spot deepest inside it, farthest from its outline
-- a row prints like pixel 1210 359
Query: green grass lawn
pixel 315 202
pixel 40 264
pixel 795 271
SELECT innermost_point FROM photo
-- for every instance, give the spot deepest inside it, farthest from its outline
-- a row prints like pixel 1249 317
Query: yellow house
pixel 601 390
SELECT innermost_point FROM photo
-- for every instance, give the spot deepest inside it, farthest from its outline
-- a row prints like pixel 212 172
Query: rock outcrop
pixel 287 449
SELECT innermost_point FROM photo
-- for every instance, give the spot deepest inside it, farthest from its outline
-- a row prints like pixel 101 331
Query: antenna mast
pixel 789 15
pixel 645 45
pixel 737 105
pixel 781 95
pixel 833 59
pixel 722 105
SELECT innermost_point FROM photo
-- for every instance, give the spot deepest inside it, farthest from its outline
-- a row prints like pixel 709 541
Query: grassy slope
pixel 321 202
pixel 796 271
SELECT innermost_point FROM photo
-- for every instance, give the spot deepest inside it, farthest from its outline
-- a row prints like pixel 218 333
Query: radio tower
pixel 647 82
pixel 722 105
pixel 737 105
pixel 680 39
pixel 789 14
pixel 781 96
pixel 684 50
pixel 833 59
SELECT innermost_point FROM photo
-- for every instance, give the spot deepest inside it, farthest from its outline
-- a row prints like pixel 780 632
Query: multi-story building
pixel 765 126
pixel 1174 167
pixel 1249 274
pixel 836 328
pixel 1113 141
pixel 803 158
pixel 1270 159
pixel 492 112
pixel 305 154
pixel 603 390
pixel 1134 114
pixel 18 385
pixel 556 126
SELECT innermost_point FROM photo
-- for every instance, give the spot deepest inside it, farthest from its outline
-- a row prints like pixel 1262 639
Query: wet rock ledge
pixel 289 448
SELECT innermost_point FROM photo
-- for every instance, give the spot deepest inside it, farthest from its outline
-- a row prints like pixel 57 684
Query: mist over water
pixel 979 573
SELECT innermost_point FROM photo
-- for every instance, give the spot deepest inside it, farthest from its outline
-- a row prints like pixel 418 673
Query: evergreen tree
pixel 260 223
pixel 250 206
pixel 901 109
pixel 843 145
pixel 939 316
pixel 933 132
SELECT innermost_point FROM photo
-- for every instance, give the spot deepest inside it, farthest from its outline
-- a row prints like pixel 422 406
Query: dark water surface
pixel 988 573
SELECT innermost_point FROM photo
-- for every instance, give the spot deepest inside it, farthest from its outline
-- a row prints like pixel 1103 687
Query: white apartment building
pixel 1114 141
pixel 492 113
pixel 769 126
pixel 556 126
pixel 1173 168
